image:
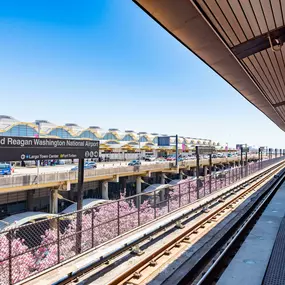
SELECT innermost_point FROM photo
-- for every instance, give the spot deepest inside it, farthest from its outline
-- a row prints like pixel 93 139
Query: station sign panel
pixel 163 141
pixel 261 149
pixel 27 148
pixel 239 146
pixel 205 149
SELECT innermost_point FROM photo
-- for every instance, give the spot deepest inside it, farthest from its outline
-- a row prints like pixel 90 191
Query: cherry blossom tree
pixel 22 262
pixel 103 223
pixel 106 226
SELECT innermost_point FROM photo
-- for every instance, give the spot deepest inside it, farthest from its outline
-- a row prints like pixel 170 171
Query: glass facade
pixel 112 136
pixel 20 131
pixel 109 136
pixel 88 135
pixel 128 138
pixel 143 139
pixel 62 133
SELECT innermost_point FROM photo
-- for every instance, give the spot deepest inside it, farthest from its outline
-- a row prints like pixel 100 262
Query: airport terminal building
pixel 114 143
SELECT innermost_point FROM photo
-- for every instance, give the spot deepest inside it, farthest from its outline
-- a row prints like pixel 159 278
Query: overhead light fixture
pixel 275 44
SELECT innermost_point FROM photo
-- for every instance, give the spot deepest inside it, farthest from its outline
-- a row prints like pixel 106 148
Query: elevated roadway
pixel 61 176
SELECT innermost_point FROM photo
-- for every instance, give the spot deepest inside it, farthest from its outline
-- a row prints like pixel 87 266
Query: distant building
pixel 111 141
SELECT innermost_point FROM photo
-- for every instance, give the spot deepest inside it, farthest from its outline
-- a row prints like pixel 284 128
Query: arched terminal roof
pixel 113 137
pixel 240 40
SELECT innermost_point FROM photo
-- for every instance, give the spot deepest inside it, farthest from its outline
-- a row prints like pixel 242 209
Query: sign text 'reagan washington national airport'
pixel 23 148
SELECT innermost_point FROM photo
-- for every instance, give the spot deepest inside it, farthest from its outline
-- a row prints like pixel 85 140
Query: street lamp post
pixel 139 147
pixel 241 160
pixel 260 150
pixel 38 161
pixel 176 150
pixel 244 163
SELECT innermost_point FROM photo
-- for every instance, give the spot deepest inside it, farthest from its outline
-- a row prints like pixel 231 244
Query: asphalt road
pixel 68 167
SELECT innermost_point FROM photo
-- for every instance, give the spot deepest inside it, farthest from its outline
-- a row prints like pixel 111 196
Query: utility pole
pixel 176 150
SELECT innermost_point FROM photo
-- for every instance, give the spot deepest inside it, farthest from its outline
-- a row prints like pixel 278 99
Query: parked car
pixel 87 165
pixel 170 158
pixel 192 157
pixel 221 155
pixel 150 158
pixel 6 169
pixel 92 164
pixel 134 162
pixel 160 159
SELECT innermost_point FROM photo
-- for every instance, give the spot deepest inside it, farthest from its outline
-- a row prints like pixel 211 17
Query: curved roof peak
pixel 41 122
pixel 71 125
pixel 5 117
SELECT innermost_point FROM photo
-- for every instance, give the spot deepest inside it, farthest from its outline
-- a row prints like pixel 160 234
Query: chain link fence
pixel 32 248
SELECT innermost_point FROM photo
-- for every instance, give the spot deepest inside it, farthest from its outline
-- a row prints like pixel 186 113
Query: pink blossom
pixel 22 262
pixel 103 223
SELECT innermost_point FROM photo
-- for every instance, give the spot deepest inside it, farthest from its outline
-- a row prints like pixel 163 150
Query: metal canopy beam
pixel 259 43
pixel 279 104
pixel 211 29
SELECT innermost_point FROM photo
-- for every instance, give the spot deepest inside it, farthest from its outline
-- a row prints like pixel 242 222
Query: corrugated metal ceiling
pixel 245 59
pixel 240 21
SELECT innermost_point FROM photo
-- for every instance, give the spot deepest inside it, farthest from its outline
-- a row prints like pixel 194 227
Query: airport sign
pixel 28 148
pixel 163 141
pixel 205 149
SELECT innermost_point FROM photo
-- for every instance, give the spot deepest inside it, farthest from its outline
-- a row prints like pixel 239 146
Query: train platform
pixel 260 260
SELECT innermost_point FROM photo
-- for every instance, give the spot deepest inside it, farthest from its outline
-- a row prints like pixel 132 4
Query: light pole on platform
pixel 139 147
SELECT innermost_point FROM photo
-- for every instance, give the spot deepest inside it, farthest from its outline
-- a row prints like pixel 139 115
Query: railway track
pixel 152 263
pixel 219 262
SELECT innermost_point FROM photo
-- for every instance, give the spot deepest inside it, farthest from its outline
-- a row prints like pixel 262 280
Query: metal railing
pixel 64 176
pixel 32 248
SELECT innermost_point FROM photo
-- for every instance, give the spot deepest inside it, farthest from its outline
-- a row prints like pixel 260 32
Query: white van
pixel 149 156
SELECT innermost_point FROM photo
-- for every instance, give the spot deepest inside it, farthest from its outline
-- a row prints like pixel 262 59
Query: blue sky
pixel 107 63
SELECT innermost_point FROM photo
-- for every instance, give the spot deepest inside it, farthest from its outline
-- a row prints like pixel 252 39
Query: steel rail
pixel 152 259
pixel 208 275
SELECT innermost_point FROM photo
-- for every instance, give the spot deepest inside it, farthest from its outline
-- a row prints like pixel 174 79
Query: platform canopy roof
pixel 23 218
pixel 241 40
pixel 87 203
pixel 154 187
